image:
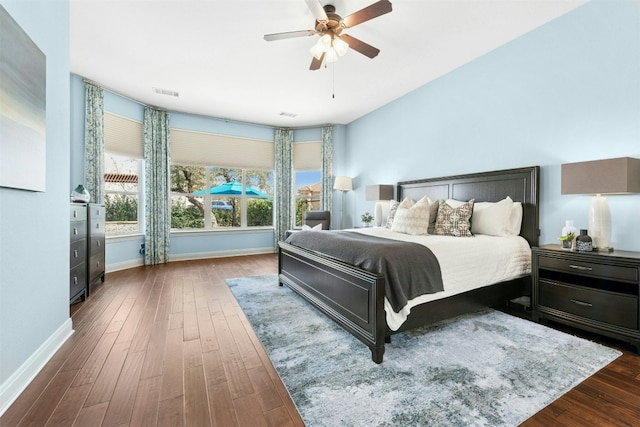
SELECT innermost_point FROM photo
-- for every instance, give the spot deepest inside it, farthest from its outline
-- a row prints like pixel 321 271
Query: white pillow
pixel 393 208
pixel 515 219
pixel 414 219
pixel 315 227
pixel 492 219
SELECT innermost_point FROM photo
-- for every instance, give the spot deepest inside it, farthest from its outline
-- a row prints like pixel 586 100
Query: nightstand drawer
pixel 608 307
pixel 611 272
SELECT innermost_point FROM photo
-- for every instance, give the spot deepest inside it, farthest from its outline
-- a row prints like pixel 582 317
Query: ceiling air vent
pixel 166 92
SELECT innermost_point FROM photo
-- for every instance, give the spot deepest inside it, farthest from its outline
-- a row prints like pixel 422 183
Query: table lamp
pixel 598 177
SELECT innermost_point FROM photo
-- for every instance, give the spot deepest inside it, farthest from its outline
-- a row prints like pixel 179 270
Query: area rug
pixel 483 369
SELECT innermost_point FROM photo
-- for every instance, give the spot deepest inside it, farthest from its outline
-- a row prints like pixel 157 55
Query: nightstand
pixel 594 291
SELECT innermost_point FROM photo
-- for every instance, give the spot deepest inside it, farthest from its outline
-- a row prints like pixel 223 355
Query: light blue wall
pixel 34 226
pixel 568 91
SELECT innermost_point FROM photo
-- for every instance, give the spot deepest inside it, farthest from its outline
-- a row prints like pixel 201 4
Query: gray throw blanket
pixel 409 269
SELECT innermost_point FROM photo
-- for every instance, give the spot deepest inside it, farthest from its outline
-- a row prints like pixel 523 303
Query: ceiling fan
pixel 329 27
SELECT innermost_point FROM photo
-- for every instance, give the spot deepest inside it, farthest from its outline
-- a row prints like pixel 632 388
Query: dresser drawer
pixel 96 267
pixel 611 272
pixel 77 279
pixel 97 245
pixel 78 230
pixel 78 252
pixel 608 307
pixel 96 212
pixel 78 212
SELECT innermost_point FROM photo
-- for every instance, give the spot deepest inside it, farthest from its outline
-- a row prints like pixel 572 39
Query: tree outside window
pixel 214 197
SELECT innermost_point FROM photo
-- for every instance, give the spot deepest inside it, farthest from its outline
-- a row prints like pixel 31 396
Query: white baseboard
pixel 110 268
pixel 221 254
pixel 20 379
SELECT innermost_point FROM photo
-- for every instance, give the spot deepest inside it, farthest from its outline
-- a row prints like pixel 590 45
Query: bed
pixel 355 298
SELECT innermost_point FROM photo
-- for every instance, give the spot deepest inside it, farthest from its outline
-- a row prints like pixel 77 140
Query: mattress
pixel 466 262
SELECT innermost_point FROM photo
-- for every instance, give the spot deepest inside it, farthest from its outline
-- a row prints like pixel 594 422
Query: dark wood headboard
pixel 521 184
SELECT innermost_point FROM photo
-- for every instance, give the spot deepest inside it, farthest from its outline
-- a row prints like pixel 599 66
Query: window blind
pixel 307 156
pixel 122 136
pixel 191 148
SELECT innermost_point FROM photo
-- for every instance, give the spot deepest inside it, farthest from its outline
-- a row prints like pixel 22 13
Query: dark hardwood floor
pixel 168 345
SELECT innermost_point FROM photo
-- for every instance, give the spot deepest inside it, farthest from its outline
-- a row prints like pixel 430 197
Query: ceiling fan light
pixel 340 46
pixel 325 41
pixel 331 56
pixel 317 50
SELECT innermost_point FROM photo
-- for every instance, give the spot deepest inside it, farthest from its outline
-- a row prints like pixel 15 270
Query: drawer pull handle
pixel 580 267
pixel 582 303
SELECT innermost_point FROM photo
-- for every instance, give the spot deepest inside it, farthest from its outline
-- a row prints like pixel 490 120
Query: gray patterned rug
pixel 484 369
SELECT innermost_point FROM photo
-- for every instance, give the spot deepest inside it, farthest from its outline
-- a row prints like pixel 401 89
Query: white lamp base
pixel 377 214
pixel 600 223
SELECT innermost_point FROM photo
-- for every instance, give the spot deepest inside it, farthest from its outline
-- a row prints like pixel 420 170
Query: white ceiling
pixel 213 54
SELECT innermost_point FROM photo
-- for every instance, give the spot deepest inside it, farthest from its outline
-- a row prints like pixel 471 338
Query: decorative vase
pixel 80 195
pixel 584 242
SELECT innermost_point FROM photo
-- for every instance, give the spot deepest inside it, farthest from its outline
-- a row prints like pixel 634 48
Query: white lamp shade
pixel 323 45
pixel 340 46
pixel 331 56
pixel 325 41
pixel 317 50
pixel 343 183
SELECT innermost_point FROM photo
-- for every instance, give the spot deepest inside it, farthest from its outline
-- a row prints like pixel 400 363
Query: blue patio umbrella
pixel 233 188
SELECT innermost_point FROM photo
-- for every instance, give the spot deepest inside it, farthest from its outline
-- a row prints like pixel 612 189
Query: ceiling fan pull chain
pixel 333 84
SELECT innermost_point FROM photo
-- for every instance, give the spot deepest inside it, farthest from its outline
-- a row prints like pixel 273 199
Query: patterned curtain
pixel 327 168
pixel 94 142
pixel 157 186
pixel 283 169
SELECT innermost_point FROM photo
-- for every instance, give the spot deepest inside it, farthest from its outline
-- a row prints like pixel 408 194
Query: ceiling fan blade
pixel 360 46
pixel 317 10
pixel 288 35
pixel 316 63
pixel 372 11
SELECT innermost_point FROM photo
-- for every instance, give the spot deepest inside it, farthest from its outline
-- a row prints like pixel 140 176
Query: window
pixel 307 164
pixel 220 181
pixel 123 167
pixel 216 198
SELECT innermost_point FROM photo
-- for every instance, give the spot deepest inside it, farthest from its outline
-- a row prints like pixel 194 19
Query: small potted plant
pixel 567 240
pixel 366 219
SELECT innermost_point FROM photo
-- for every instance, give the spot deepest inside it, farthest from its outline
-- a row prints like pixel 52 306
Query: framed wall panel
pixel 22 108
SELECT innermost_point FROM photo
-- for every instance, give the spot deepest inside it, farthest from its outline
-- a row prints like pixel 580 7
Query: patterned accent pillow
pixel 413 220
pixel 454 221
pixel 393 208
pixel 433 215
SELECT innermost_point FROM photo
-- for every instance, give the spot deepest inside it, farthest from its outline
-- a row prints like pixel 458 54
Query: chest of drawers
pixel 95 242
pixel 78 252
pixel 594 291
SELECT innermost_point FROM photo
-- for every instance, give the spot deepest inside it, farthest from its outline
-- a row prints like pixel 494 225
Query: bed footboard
pixel 352 297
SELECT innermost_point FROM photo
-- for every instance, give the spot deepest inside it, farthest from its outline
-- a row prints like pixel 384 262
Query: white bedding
pixel 466 263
